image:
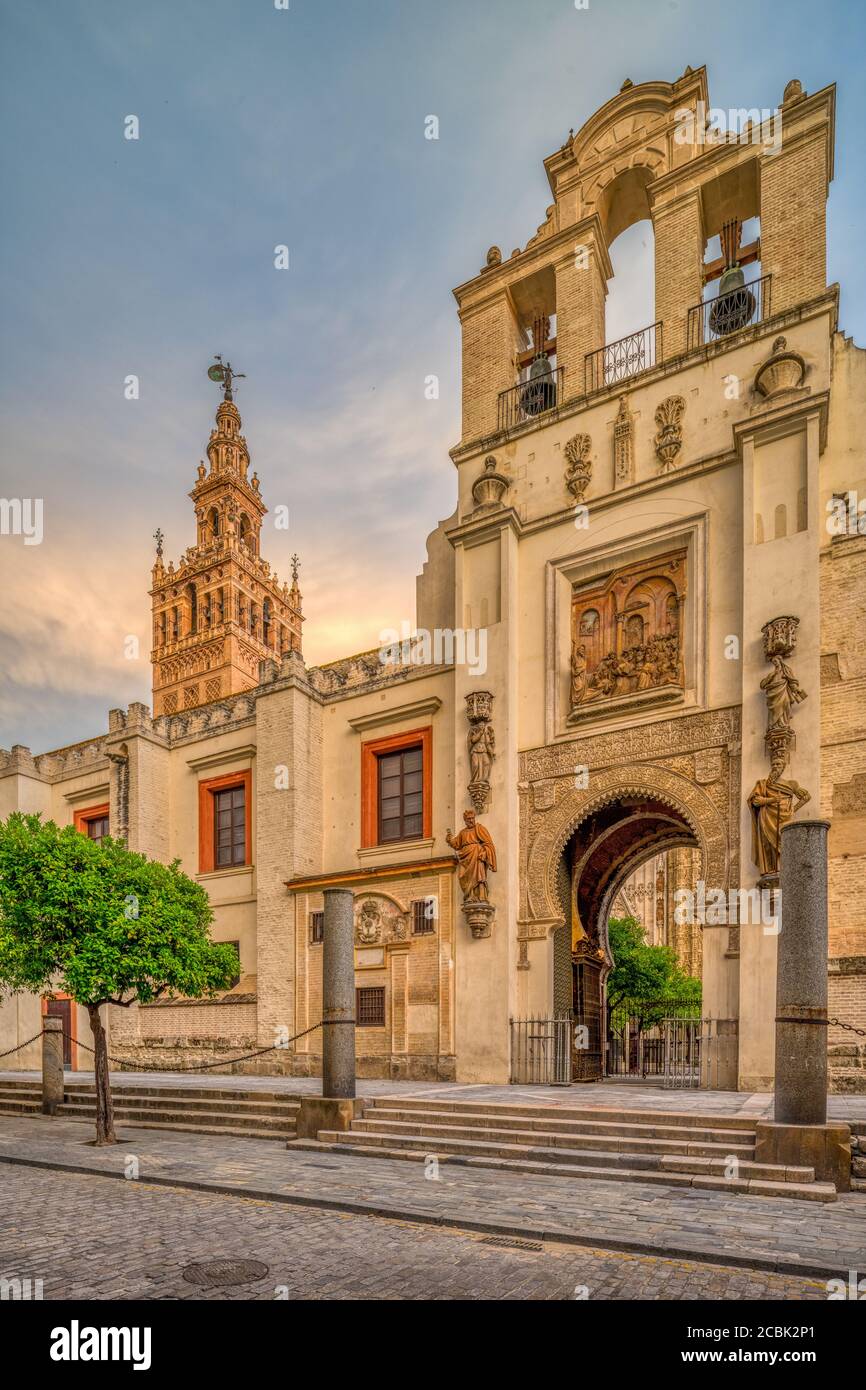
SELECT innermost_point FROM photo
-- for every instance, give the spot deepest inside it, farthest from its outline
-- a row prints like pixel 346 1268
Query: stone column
pixel 338 996
pixel 52 1064
pixel 333 1111
pixel 801 977
pixel 800 1136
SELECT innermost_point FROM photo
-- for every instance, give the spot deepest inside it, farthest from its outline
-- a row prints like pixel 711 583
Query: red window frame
pixel 207 790
pixel 83 818
pixel 371 751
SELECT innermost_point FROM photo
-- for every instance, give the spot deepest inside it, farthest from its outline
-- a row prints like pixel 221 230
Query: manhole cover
pixel 215 1274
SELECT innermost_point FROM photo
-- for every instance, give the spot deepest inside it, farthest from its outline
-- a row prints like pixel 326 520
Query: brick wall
pixel 679 253
pixel 580 296
pixel 843 736
pixel 793 219
pixel 490 343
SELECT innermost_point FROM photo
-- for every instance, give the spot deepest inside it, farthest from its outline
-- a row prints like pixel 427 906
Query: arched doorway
pixel 605 847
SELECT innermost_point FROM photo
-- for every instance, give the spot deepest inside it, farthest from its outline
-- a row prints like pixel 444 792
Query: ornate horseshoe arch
pixel 573 806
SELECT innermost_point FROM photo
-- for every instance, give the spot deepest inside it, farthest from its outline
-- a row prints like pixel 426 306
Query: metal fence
pixel 541 1051
pixel 623 359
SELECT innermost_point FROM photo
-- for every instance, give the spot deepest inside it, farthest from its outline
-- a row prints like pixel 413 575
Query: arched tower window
pixel 213 522
pixel 266 622
pixel 192 598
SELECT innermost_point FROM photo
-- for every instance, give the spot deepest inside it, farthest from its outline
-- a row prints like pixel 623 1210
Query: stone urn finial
pixel 783 370
pixel 490 486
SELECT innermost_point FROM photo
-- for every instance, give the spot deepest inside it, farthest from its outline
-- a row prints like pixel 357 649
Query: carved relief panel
pixel 626 634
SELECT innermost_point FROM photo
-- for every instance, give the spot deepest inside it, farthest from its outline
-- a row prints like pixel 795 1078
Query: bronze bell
pixel 539 393
pixel 735 304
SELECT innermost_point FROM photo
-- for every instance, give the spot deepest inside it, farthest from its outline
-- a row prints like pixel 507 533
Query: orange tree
pixel 103 925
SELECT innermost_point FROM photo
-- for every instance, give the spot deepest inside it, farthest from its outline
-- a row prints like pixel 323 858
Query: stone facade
pixel 680 493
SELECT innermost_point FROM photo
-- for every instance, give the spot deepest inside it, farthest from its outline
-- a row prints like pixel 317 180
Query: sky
pixel 301 127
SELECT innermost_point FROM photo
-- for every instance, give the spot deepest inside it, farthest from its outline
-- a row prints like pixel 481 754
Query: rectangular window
pixel 97 828
pixel 92 822
pixel 225 822
pixel 397 788
pixel 370 1006
pixel 401 791
pixel 423 916
pixel 317 928
pixel 230 841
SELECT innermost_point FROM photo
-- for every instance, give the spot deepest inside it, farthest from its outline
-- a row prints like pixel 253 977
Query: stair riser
pixel 146 1103
pixel 542 1112
pixel 567 1127
pixel 168 1117
pixel 531 1138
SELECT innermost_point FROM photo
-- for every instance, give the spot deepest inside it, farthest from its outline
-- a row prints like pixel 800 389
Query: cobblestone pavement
pixel 826 1239
pixel 87 1238
pixel 606 1095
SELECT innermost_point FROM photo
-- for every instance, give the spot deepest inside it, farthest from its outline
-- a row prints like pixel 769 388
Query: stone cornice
pixel 414 869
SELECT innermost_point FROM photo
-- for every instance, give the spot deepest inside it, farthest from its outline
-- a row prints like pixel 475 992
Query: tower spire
pixel 222 610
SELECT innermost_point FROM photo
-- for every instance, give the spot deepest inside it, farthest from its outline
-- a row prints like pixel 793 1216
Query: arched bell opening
pixel 603 850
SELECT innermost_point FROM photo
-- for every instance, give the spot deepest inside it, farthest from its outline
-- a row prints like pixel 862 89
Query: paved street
pixel 89 1238
pixel 784 1235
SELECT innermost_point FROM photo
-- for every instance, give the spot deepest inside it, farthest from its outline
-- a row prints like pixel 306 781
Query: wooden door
pixel 62 1008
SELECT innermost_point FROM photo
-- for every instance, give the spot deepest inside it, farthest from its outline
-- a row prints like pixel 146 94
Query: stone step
pixel 20 1105
pixel 175 1116
pixel 242 1105
pixel 119 1087
pixel 610 1143
pixel 600 1158
pixel 757 1187
pixel 620 1114
pixel 640 1130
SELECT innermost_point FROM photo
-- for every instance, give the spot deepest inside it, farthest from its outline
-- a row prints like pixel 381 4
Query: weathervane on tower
pixel 221 372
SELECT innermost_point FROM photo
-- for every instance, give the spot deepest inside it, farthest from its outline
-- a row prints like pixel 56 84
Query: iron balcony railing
pixel 624 359
pixel 529 399
pixel 727 313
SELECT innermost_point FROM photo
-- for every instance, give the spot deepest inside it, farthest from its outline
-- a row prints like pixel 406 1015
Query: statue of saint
pixel 578 675
pixel 481 742
pixel 773 803
pixel 782 690
pixel 475 855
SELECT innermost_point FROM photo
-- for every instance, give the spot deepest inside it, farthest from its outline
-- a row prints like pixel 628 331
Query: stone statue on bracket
pixel 481 746
pixel 476 856
pixel 773 800
pixel 781 688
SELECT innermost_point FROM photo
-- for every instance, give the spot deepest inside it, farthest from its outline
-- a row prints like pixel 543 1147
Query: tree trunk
pixel 104 1109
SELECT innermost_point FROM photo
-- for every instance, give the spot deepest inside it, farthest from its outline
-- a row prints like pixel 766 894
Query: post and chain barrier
pixel 197 1066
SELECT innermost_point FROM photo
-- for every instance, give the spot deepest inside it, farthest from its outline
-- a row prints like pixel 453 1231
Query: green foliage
pixel 99 922
pixel 646 978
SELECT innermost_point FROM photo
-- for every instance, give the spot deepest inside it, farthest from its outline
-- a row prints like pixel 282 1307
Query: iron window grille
pixel 423 916
pixel 370 1006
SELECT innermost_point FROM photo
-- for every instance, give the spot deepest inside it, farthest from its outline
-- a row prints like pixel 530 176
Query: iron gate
pixel 656 1040
pixel 541 1051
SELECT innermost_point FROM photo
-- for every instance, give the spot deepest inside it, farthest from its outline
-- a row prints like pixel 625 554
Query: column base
pixel 826 1148
pixel 320 1112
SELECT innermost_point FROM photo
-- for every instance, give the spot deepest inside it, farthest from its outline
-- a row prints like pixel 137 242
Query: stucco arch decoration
pixel 636 138
pixel 572 806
